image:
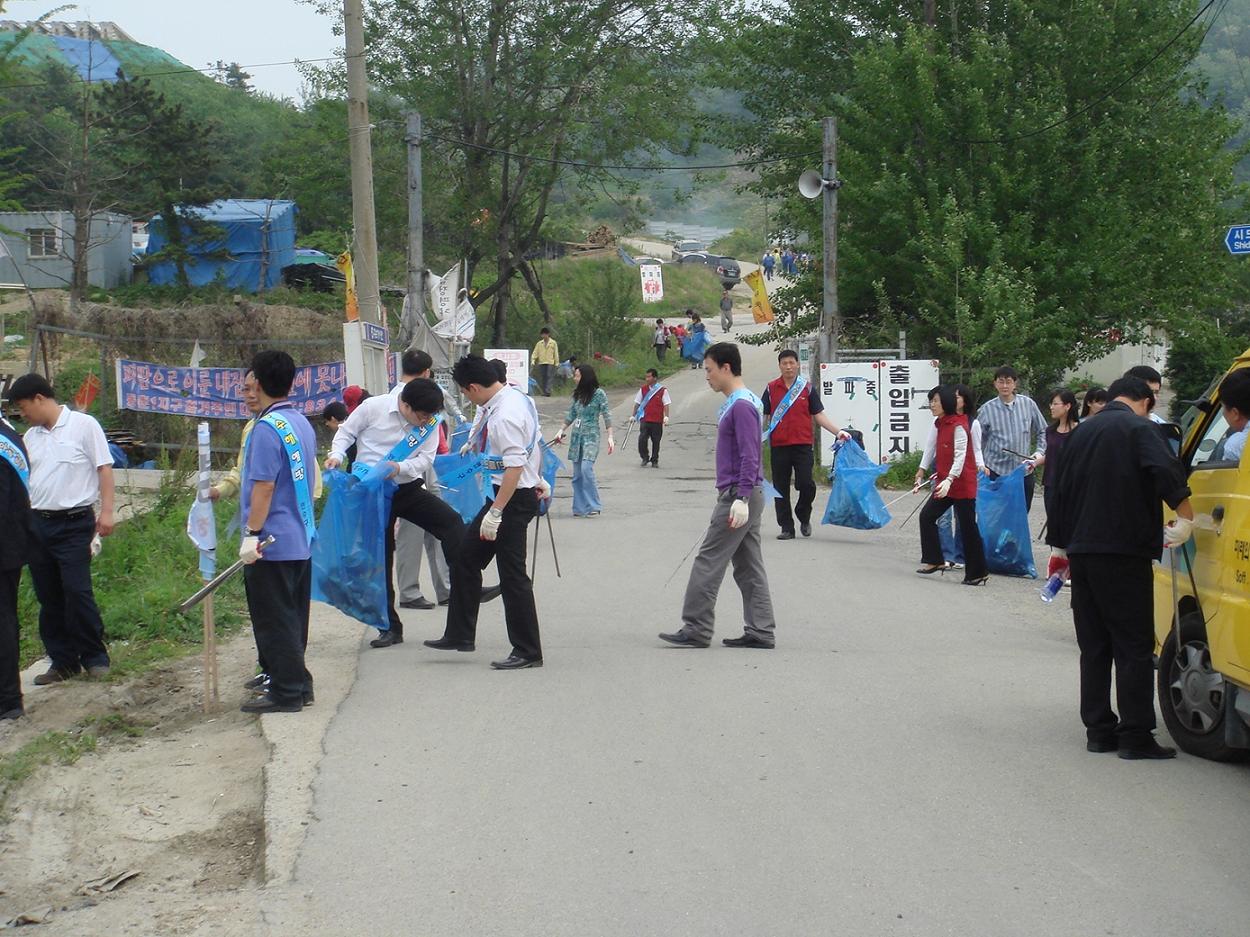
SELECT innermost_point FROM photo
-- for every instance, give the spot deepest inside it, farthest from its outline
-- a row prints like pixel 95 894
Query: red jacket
pixel 795 428
pixel 965 484
pixel 654 413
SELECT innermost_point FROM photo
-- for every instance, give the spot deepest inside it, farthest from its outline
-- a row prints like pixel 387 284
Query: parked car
pixel 727 269
pixel 322 278
pixel 682 248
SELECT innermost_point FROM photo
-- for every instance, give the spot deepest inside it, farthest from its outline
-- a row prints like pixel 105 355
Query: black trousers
pixel 966 517
pixel 277 601
pixel 1113 610
pixel 10 673
pixel 650 433
pixel 796 460
pixel 508 552
pixel 1030 483
pixel 659 352
pixel 429 512
pixel 60 569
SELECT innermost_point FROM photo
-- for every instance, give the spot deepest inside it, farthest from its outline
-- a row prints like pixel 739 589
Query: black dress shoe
pixel 257 682
pixel 805 529
pixel 512 662
pixel 683 639
pixel 446 601
pixel 748 640
pixel 53 675
pixel 1153 751
pixel 1099 746
pixel 17 712
pixel 786 535
pixel 386 639
pixel 491 592
pixel 309 697
pixel 446 644
pixel 266 704
pixel 422 603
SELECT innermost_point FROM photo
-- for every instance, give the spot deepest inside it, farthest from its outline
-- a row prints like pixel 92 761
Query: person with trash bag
pixel 954 486
pixel 693 347
pixel 1014 431
pixel 792 402
pixel 965 405
pixel 400 429
pixel 651 405
pixel 855 501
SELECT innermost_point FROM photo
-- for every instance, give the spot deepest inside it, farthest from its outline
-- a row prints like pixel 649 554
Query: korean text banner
pixel 217 393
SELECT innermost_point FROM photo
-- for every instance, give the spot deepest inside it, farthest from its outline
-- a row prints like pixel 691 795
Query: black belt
pixel 69 515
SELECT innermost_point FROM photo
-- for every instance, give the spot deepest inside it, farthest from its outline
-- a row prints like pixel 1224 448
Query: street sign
pixel 1237 240
pixel 518 362
pixel 376 336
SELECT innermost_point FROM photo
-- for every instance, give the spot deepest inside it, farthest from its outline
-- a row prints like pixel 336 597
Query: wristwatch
pixel 248 532
pixel 496 513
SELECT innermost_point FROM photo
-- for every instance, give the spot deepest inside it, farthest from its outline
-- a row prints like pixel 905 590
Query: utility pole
pixel 830 318
pixel 365 348
pixel 416 243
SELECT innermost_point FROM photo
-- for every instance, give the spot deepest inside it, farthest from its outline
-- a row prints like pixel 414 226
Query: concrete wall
pixel 108 261
pixel 1154 352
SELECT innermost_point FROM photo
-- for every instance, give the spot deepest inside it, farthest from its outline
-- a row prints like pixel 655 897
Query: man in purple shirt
pixel 276 500
pixel 733 535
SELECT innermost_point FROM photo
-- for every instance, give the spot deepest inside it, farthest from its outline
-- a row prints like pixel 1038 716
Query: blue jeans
pixel 585 488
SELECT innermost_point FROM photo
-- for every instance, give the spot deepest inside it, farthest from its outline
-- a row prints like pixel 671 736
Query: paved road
pixel 907 761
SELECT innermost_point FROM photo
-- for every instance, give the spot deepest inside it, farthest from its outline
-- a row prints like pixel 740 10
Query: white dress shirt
pixel 511 423
pixel 376 426
pixel 65 462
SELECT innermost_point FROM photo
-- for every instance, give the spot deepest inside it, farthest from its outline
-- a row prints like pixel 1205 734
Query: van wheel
pixel 1191 694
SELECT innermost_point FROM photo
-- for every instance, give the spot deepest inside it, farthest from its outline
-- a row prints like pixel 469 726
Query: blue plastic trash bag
pixel 349 553
pixel 462 482
pixel 1004 523
pixel 119 456
pixel 855 501
pixel 693 347
pixel 551 465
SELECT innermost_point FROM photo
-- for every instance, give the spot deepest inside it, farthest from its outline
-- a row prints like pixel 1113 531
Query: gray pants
pixel 410 540
pixel 544 378
pixel 726 319
pixel 722 546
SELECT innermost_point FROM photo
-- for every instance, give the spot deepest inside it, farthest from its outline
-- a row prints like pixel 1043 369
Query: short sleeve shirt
pixel 65 462
pixel 267 461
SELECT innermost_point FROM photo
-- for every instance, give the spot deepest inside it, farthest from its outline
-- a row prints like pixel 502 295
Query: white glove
pixel 466 448
pixel 489 529
pixel 611 444
pixel 1178 532
pixel 96 545
pixel 249 550
pixel 739 513
pixel 543 489
pixel 1029 466
pixel 559 438
pixel 666 421
pixel 944 488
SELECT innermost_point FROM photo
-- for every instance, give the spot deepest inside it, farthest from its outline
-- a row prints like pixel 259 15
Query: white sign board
pixel 652 283
pixel 518 362
pixel 887 401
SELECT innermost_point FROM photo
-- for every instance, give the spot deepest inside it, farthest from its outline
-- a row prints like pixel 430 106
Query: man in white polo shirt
pixel 70 469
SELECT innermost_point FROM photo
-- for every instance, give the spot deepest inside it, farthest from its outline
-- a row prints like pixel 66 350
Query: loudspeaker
pixel 811 185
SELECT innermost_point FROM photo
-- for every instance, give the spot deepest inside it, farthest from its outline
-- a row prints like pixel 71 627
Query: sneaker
pixel 257 682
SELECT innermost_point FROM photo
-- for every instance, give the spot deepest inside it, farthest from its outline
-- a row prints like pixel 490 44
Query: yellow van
pixel 1204 672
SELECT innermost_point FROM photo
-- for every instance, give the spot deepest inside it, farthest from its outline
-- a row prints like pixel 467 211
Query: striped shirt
pixel 1013 427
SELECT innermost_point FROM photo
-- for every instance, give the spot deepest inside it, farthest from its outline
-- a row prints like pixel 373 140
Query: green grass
pixel 147 567
pixel 62 748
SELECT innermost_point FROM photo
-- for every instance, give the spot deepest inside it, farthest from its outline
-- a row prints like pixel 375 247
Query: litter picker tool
pixel 683 560
pixel 534 558
pixel 1020 456
pixel 554 555
pixel 923 484
pixel 218 581
pixel 628 426
pixel 914 510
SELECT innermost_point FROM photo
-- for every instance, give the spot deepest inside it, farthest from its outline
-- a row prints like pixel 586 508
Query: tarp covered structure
pixel 256 240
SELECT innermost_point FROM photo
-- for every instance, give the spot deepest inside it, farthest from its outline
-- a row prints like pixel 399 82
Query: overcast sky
pixel 244 31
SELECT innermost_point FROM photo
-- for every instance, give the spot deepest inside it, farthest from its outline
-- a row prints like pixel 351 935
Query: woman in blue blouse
pixel 589 404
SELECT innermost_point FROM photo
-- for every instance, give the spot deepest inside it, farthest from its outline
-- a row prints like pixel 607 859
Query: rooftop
pixel 77 30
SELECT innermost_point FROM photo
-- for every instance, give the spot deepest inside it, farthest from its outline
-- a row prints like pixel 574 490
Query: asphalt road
pixel 909 760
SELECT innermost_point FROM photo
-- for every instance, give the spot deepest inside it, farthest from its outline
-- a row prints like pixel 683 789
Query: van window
pixel 1210 451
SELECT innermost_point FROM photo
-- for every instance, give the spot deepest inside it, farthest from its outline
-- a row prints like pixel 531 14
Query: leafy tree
pixel 232 76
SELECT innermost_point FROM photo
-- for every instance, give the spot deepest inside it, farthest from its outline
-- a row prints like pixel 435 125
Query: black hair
pixel 1146 373
pixel 544 331
pixel 474 369
pixel 696 317
pixel 933 392
pixel 659 321
pixel 501 369
pixel 415 361
pixel 970 401
pixel 725 353
pixel 1133 388
pixel 1093 395
pixel 1235 391
pixel 586 385
pixel 275 372
pixel 945 393
pixel 1066 396
pixel 30 386
pixel 654 373
pixel 1006 371
pixel 335 410
pixel 787 353
pixel 422 395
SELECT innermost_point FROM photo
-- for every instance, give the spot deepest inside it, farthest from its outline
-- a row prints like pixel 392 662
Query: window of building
pixel 42 243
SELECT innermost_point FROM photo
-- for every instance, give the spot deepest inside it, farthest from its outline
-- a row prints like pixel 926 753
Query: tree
pixel 232 76
pixel 510 91
pixel 1003 199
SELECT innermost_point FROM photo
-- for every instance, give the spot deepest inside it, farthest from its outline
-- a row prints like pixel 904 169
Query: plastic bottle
pixel 1053 585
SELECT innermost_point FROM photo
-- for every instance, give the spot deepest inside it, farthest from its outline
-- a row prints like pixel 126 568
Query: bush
pixel 1200 353
pixel 902 473
pixel 742 244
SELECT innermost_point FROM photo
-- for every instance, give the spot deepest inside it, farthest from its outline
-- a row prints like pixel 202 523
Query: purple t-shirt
pixel 738 449
pixel 267 461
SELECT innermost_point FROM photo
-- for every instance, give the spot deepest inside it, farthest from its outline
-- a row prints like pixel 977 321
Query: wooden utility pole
pixel 416 244
pixel 830 318
pixel 365 252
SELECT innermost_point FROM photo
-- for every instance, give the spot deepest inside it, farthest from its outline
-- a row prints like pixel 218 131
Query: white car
pixel 682 248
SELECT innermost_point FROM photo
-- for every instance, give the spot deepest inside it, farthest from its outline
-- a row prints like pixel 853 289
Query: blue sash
pixel 494 463
pixel 13 455
pixel 299 474
pixel 740 394
pixel 786 402
pixel 646 400
pixel 403 449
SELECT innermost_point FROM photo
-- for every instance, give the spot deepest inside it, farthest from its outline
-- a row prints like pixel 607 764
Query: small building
pixel 38 249
pixel 243 243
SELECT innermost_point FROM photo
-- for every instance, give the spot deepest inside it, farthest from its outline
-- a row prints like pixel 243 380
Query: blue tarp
pixel 94 61
pixel 258 233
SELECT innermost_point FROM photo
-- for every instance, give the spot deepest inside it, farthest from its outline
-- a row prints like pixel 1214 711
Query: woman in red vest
pixel 954 487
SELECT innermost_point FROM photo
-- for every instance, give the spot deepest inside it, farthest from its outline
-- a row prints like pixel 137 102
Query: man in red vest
pixel 792 403
pixel 651 405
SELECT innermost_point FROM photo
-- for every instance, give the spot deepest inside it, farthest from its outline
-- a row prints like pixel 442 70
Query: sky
pixel 196 33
